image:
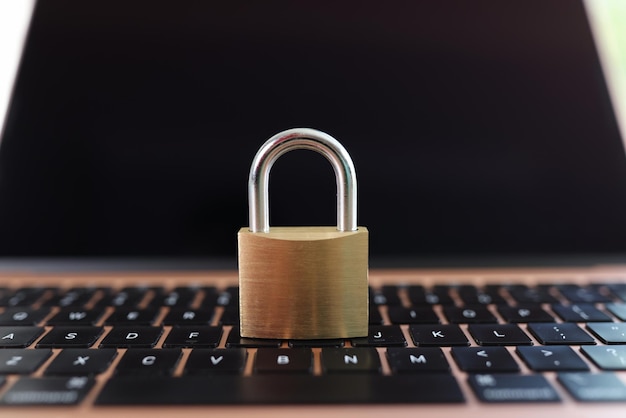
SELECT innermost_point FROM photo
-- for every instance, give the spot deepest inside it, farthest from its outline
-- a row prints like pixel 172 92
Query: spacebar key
pixel 297 389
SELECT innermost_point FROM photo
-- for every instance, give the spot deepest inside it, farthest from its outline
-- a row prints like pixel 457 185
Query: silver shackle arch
pixel 301 138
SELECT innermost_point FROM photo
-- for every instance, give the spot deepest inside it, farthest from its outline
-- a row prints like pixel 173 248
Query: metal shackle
pixel 301 138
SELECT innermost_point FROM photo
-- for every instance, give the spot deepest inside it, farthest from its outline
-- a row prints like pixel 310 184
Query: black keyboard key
pixel 375 318
pixel 75 297
pixel 149 362
pixel 235 340
pixel 471 295
pixel 126 316
pixel 469 315
pixel 81 362
pixel 75 317
pixel 280 360
pixel 618 290
pixel 230 316
pixel 48 391
pixel 498 334
pixel 505 388
pixel 23 316
pixel 180 316
pixel 129 297
pixel 587 387
pixel 22 361
pixel 417 360
pixel 617 309
pixel 609 332
pixel 438 295
pixel 580 312
pixel 387 295
pixel 555 358
pixel 484 359
pixel 281 389
pixel 437 335
pixel 580 294
pixel 531 295
pixel 16 337
pixel 381 336
pixel 607 357
pixel 60 337
pixel 193 336
pixel 521 314
pixel 180 297
pixel 23 297
pixel 132 337
pixel 417 315
pixel 350 360
pixel 205 361
pixel 565 334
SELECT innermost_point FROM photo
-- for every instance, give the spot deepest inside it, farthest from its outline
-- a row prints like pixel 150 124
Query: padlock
pixel 303 282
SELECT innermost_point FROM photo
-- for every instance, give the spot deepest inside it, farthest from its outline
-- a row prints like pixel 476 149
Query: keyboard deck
pixel 99 341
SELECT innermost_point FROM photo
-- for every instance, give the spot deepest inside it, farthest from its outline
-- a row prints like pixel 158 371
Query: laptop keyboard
pixel 440 344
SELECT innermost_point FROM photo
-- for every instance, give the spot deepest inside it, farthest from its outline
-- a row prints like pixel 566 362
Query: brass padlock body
pixel 303 283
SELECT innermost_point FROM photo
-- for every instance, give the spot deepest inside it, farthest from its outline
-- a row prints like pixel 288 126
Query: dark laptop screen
pixel 477 128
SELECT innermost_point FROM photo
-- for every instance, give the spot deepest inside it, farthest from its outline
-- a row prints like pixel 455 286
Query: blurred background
pixel 478 129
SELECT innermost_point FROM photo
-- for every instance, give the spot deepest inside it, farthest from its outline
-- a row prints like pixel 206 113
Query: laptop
pixel 491 176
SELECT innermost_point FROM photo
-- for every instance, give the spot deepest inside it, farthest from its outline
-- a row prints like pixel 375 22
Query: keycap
pixel 179 297
pixel 230 316
pixel 498 334
pixel 75 317
pixel 417 360
pixel 350 360
pixel 417 315
pixel 81 362
pixel 375 318
pixel 607 357
pixel 23 316
pixel 149 362
pixel 22 361
pixel 609 333
pixel 18 336
pixel 438 295
pixel 617 309
pixel 205 361
pixel 500 388
pixel 128 297
pixel 387 295
pixel 553 358
pixel 484 359
pixel 471 295
pixel 60 337
pixel 235 340
pixel 75 297
pixel 437 335
pixel 618 290
pixel 565 333
pixel 131 316
pixel 280 360
pixel 579 294
pixel 580 312
pixel 281 389
pixel 469 315
pixel 193 336
pixel 23 297
pixel 524 313
pixel 597 387
pixel 48 391
pixel 531 295
pixel 137 337
pixel 181 316
pixel 381 336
